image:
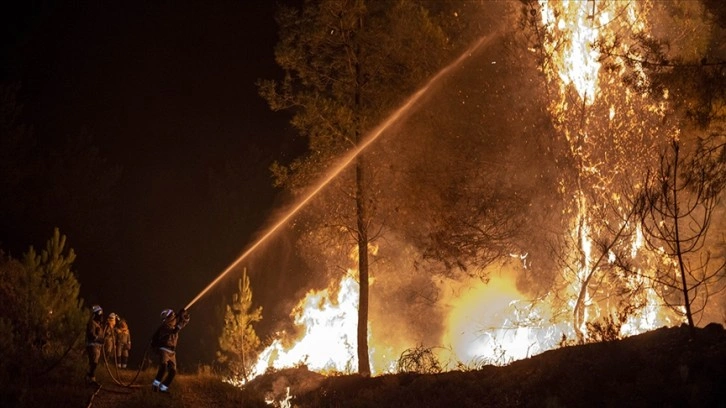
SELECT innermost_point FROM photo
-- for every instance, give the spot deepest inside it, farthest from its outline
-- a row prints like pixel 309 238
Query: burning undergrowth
pixel 503 209
pixel 280 385
pixel 664 367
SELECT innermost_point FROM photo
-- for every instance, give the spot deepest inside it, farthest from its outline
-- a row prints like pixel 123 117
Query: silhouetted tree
pixel 690 71
pixel 677 214
pixel 347 65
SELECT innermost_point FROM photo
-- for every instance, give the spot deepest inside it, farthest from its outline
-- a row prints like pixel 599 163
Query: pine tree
pixel 41 315
pixel 347 66
pixel 239 341
pixel 53 306
pixel 678 210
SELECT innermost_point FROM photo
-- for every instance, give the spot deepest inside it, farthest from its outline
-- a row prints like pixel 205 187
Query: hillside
pixel 662 368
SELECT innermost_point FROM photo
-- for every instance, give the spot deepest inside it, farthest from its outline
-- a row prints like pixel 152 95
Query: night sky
pixel 166 90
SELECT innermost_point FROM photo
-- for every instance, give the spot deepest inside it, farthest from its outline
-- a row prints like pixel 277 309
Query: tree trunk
pixel 679 253
pixel 363 362
pixel 361 203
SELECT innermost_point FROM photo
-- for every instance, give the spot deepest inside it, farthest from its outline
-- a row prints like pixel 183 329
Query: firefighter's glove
pixel 184 315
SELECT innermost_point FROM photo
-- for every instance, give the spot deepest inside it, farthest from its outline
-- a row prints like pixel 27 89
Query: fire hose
pixel 116 380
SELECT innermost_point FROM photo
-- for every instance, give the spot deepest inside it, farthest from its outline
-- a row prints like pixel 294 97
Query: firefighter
pixel 94 342
pixel 123 343
pixel 109 336
pixel 164 343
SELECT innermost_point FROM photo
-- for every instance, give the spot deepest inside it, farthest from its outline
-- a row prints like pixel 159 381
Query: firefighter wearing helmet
pixel 109 336
pixel 123 343
pixel 94 342
pixel 164 343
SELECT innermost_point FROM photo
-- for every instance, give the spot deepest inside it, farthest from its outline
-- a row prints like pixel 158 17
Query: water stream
pixel 371 137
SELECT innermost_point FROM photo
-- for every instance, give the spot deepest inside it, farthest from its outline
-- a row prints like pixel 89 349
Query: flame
pixel 601 131
pixel 578 63
pixel 328 321
pixel 493 322
pixel 483 325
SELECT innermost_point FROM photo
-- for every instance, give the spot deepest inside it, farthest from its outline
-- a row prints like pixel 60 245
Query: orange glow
pixel 328 321
pixel 493 323
pixel 602 123
pixel 485 323
pixel 577 63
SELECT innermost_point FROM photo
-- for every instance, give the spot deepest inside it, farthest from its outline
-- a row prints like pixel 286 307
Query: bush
pixel 418 360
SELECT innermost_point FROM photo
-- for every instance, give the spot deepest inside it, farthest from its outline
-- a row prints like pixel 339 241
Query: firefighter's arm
pixel 183 318
pixel 97 333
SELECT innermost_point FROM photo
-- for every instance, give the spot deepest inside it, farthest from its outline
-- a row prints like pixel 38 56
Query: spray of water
pixel 345 161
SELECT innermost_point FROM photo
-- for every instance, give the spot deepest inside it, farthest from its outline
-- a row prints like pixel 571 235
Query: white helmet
pixel 166 313
pixel 113 316
pixel 96 309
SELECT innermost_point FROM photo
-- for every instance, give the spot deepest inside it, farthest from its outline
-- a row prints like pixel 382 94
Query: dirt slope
pixel 662 368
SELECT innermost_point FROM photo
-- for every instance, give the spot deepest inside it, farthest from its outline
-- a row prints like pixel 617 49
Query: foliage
pixel 677 214
pixel 41 314
pixel 609 328
pixel 666 53
pixel 418 360
pixel 239 342
pixel 347 65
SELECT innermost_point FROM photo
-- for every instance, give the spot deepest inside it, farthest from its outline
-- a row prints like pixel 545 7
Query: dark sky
pixel 167 91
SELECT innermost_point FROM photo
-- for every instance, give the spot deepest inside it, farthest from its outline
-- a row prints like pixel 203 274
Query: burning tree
pixel 612 105
pixel 604 128
pixel 681 197
pixel 239 341
pixel 499 162
pixel 347 64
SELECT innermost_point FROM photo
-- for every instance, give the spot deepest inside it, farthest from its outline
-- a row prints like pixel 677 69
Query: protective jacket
pixel 167 334
pixel 123 338
pixel 109 336
pixel 94 333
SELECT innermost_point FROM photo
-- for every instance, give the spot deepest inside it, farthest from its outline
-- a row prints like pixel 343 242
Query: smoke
pixel 480 146
pixel 484 136
pixel 483 132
